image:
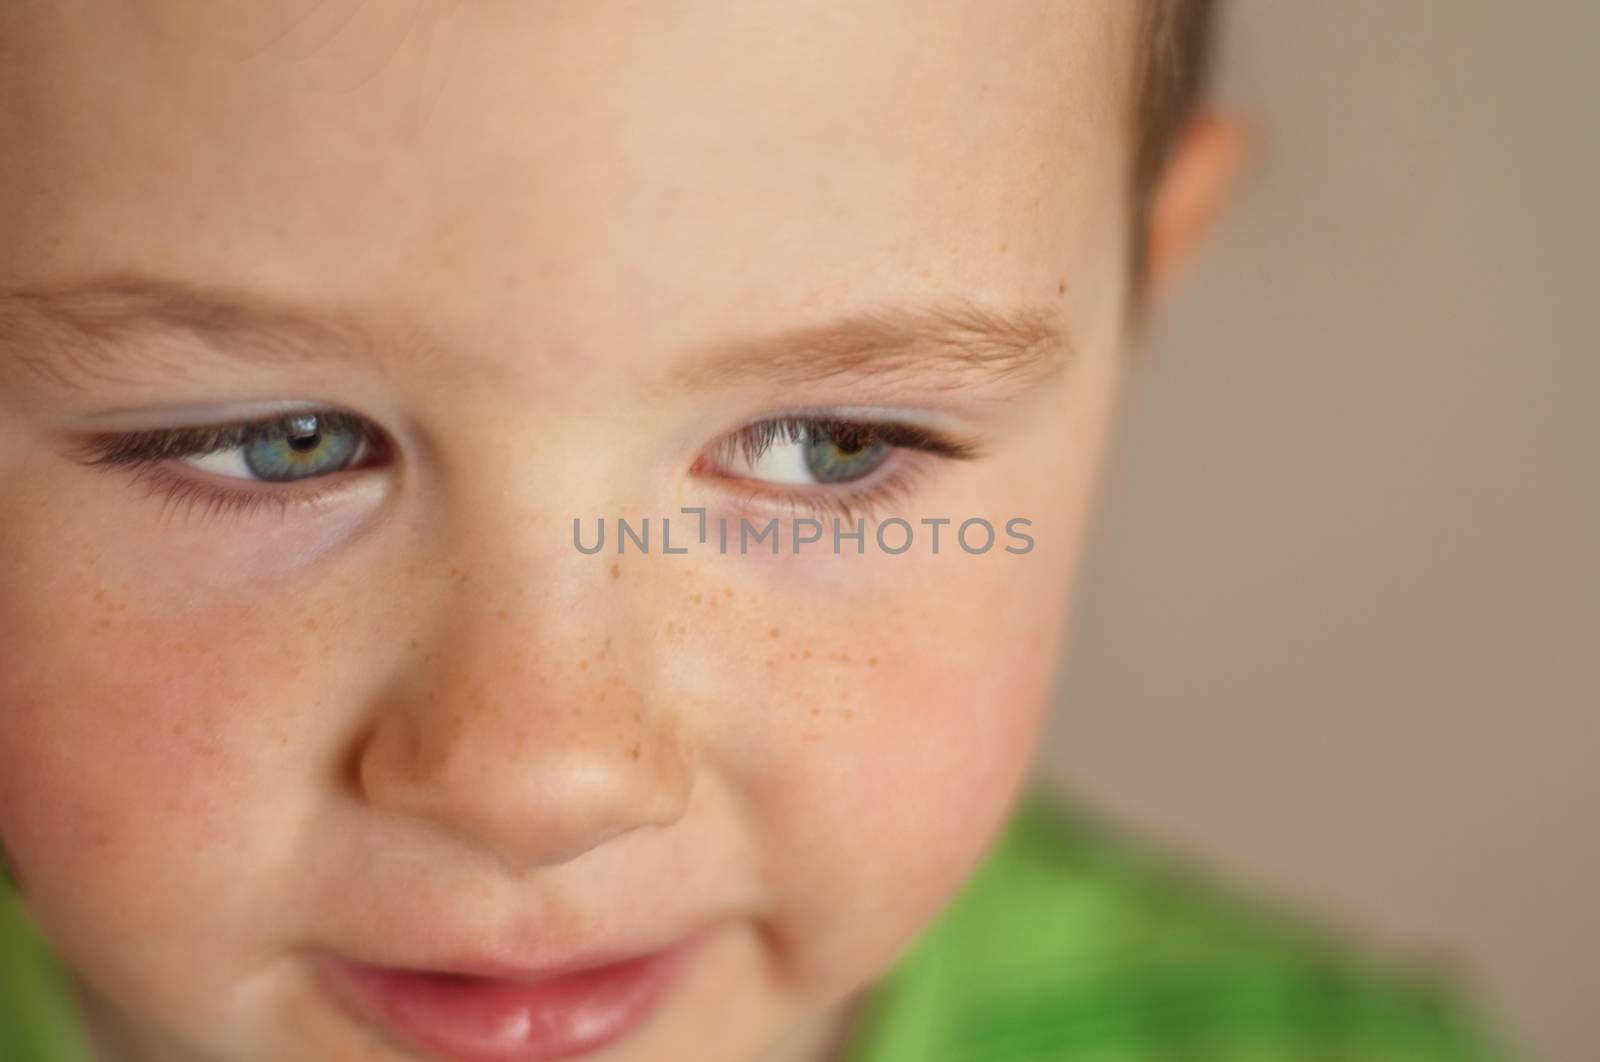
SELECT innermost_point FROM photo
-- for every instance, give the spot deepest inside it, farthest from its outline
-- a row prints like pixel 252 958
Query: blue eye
pixel 795 451
pixel 281 450
pixel 306 448
pixel 839 460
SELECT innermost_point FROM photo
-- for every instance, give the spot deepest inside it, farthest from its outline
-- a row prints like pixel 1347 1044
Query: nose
pixel 534 749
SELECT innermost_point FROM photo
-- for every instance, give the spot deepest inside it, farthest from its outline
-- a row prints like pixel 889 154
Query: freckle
pixel 577 711
pixel 633 753
pixel 809 739
pixel 636 715
pixel 1003 247
pixel 500 613
pixel 616 572
pixel 696 598
pixel 808 654
pixel 844 657
pixel 1061 288
pixel 848 713
pixel 727 591
pixel 311 623
pixel 583 665
pixel 413 643
pixel 816 711
pixel 872 661
pixel 773 633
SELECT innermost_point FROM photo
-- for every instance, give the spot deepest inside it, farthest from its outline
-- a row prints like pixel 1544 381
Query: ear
pixel 1189 193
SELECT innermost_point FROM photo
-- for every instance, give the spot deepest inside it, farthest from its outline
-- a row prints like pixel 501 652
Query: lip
pixel 489 1011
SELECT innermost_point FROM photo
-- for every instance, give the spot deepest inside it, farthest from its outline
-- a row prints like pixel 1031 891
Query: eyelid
pixel 915 448
pixel 220 499
pixel 866 498
pixel 150 453
pixel 166 444
pixel 753 439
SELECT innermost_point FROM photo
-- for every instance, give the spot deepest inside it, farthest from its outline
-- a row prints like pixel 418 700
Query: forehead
pixel 606 163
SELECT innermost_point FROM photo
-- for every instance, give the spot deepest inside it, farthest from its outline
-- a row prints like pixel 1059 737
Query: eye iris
pixel 314 453
pixel 835 458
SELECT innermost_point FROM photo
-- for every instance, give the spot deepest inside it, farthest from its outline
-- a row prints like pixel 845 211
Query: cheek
pixel 876 740
pixel 131 732
pixel 116 747
pixel 110 751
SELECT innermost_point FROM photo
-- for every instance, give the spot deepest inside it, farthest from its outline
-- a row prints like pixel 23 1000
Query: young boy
pixel 541 530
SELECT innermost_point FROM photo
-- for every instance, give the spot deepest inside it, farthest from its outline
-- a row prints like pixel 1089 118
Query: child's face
pixel 555 254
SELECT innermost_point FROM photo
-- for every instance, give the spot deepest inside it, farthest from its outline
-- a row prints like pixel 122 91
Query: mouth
pixel 491 1013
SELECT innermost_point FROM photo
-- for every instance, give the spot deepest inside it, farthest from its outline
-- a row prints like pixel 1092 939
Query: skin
pixel 415 721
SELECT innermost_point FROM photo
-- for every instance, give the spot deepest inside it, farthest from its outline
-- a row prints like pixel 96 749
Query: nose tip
pixel 527 796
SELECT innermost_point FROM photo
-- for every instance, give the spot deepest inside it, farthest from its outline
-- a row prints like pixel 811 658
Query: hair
pixel 1171 77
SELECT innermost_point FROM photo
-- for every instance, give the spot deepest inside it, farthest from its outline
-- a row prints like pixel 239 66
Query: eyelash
pixel 848 501
pixel 147 452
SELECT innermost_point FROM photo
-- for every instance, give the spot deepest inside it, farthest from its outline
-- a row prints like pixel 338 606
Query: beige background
pixel 1338 629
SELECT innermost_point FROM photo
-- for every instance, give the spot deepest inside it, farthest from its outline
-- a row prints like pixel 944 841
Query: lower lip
pixel 466 1018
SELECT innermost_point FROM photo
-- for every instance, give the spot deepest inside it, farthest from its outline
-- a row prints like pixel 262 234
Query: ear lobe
pixel 1191 190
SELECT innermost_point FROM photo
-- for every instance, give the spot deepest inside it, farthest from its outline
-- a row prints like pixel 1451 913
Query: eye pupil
pixel 305 443
pixel 848 441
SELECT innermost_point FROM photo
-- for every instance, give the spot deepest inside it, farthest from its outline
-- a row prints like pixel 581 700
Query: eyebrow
pixel 946 343
pixel 76 335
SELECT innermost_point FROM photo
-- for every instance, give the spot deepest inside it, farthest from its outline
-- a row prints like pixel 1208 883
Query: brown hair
pixel 1174 66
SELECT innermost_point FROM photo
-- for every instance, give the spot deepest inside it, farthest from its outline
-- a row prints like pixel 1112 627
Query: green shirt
pixel 37 1019
pixel 1071 943
pixel 1067 944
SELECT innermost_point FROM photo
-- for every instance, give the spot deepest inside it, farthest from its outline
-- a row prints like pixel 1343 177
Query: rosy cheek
pixel 116 737
pixel 929 677
pixel 878 743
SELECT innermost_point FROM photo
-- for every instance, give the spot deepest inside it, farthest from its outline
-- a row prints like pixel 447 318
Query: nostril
pixel 383 768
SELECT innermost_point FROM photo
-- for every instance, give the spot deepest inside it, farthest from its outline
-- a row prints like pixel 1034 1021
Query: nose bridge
pixel 524 726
